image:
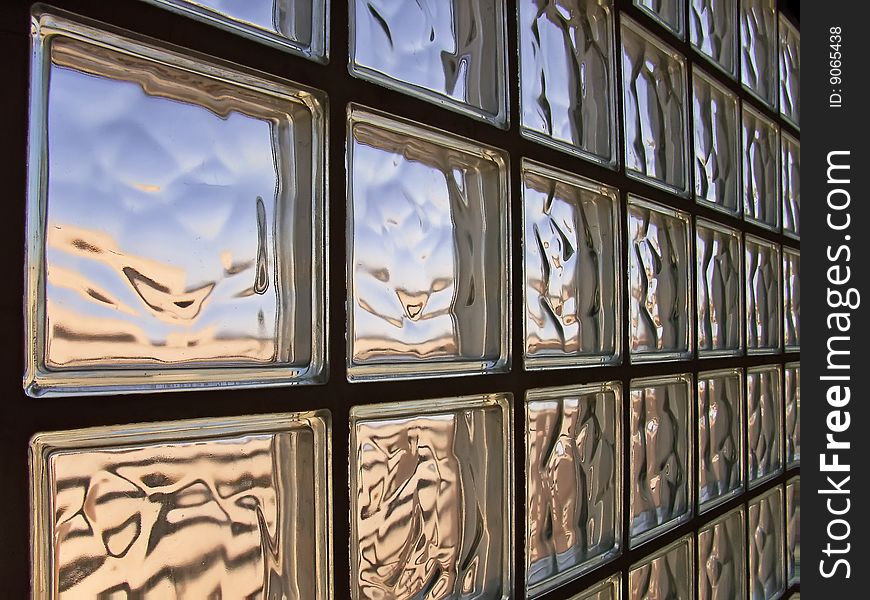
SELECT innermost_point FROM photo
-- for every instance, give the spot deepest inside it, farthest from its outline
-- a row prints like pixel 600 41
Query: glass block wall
pixel 455 299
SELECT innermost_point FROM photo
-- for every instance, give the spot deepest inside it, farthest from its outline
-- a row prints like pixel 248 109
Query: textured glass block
pixel 793 529
pixel 660 468
pixel 666 574
pixel 609 589
pixel 234 507
pixel 568 89
pixel 766 541
pixel 175 220
pixel 654 93
pixel 720 436
pixel 789 71
pixel 298 26
pixel 572 273
pixel 761 152
pixel 722 557
pixel 428 235
pixel 758 51
pixel 450 52
pixel 719 256
pixel 573 482
pixel 792 414
pixel 791 186
pixel 764 422
pixel 791 298
pixel 658 279
pixel 716 133
pixel 763 295
pixel 713 32
pixel 431 499
pixel 670 13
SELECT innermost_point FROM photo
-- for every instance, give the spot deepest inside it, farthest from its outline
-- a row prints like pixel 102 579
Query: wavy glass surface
pixel 568 77
pixel 573 482
pixel 667 12
pixel 791 186
pixel 758 49
pixel 763 295
pixel 713 31
pixel 722 558
pixel 720 436
pixel 761 152
pixel 789 71
pixel 791 298
pixel 793 529
pixel 660 471
pixel 720 310
pixel 233 508
pixel 716 134
pixel 177 231
pixel 609 589
pixel 658 279
pixel 654 100
pixel 450 52
pixel 431 499
pixel 572 279
pixel 295 25
pixel 792 413
pixel 665 574
pixel 428 240
pixel 764 422
pixel 766 562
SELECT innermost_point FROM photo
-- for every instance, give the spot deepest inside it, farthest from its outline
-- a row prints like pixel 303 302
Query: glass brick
pixel 298 26
pixel 793 529
pixel 766 563
pixel 789 71
pixel 568 77
pixel 764 422
pixel 722 557
pixel 175 234
pixel 659 256
pixel 720 436
pixel 235 507
pixel 758 54
pixel 571 270
pixel 660 462
pixel 431 498
pixel 791 298
pixel 716 133
pixel 763 295
pixel 609 589
pixel 664 574
pixel 713 32
pixel 654 102
pixel 793 414
pixel 428 243
pixel 450 52
pixel 791 186
pixel 719 256
pixel 670 13
pixel 761 153
pixel 573 482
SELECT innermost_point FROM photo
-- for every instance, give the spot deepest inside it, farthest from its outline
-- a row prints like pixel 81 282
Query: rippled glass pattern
pixel 609 589
pixel 722 557
pixel 792 413
pixel 720 436
pixel 567 76
pixel 719 257
pixel 766 563
pixel 789 71
pixel 573 481
pixel 764 422
pixel 791 186
pixel 793 529
pixel 658 279
pixel 431 499
pixel 572 273
pixel 763 295
pixel 232 508
pixel 791 298
pixel 654 100
pixel 761 152
pixel 666 574
pixel 713 31
pixel 450 52
pixel 427 254
pixel 758 51
pixel 295 25
pixel 716 133
pixel 176 231
pixel 667 12
pixel 660 471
